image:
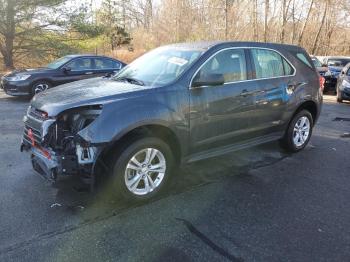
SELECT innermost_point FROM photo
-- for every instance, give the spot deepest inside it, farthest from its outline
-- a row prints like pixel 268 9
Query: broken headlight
pixel 67 128
pixel 79 118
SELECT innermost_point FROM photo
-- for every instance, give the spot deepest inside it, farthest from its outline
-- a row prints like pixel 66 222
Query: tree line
pixel 51 28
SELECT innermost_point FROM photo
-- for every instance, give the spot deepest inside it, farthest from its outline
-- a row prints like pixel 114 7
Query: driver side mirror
pixel 208 80
pixel 67 69
pixel 110 74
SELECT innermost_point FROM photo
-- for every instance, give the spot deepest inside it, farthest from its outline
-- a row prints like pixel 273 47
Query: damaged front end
pixel 55 145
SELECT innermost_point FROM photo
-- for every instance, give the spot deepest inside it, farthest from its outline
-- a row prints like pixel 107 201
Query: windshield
pixel 316 62
pixel 160 66
pixel 338 62
pixel 57 63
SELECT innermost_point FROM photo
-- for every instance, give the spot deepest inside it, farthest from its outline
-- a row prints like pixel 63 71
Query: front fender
pixel 118 118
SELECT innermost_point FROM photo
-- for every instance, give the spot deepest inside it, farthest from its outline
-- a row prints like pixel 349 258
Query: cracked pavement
pixel 258 204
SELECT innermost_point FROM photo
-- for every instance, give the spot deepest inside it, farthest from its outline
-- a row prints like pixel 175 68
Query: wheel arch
pixel 41 80
pixel 310 106
pixel 156 130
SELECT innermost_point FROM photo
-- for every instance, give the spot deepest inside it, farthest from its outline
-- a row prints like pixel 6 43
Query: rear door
pixel 275 79
pixel 104 66
pixel 221 115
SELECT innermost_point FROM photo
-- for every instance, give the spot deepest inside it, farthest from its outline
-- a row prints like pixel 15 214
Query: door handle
pixel 89 73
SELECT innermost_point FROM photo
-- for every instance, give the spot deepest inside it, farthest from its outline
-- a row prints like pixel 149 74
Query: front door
pixel 78 69
pixel 222 114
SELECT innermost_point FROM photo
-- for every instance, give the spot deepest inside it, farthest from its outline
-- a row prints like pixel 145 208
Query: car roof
pixel 91 55
pixel 204 45
pixel 338 57
pixel 88 55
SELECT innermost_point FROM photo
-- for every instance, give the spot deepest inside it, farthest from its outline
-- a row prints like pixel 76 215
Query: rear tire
pixel 299 131
pixel 142 169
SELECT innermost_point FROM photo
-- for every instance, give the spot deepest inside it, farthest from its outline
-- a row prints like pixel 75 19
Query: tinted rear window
pixel 302 57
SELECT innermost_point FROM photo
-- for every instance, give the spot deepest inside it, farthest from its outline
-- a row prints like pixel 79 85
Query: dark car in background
pixel 335 65
pixel 176 104
pixel 343 84
pixel 321 68
pixel 28 82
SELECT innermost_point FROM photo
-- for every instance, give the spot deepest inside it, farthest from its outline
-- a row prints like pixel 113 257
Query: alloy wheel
pixel 40 88
pixel 145 171
pixel 301 131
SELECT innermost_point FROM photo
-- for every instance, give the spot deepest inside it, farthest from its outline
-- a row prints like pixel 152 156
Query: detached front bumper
pixel 44 162
pixel 52 165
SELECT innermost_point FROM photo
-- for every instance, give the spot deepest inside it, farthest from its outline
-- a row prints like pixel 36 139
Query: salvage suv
pixel 176 104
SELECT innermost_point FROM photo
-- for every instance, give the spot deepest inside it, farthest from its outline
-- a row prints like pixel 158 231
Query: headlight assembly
pixel 79 118
pixel 17 77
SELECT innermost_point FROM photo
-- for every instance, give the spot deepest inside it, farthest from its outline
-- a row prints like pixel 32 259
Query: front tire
pixel 299 131
pixel 40 86
pixel 142 169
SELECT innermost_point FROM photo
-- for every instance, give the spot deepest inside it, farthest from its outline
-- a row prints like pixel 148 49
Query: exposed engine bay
pixel 55 143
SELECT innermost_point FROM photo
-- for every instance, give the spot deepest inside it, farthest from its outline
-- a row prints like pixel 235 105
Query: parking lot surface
pixel 259 204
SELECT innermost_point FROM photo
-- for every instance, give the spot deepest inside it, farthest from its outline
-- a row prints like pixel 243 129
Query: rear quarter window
pixel 302 57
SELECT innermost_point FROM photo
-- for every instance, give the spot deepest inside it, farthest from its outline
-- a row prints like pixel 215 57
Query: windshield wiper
pixel 130 80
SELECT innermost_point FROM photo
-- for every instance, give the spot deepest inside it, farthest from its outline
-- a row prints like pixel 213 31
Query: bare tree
pixel 305 22
pixel 314 45
pixel 267 7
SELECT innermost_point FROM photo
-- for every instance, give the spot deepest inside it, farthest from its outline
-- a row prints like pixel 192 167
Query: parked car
pixel 176 104
pixel 321 68
pixel 29 82
pixel 335 65
pixel 343 84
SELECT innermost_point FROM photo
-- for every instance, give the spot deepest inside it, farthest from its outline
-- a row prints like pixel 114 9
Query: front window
pixel 229 63
pixel 59 62
pixel 80 64
pixel 160 66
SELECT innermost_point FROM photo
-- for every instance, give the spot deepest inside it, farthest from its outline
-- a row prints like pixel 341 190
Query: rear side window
pixel 268 63
pixel 229 63
pixel 103 63
pixel 80 64
pixel 303 59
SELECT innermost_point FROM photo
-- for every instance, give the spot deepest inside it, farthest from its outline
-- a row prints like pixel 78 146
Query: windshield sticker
pixel 177 61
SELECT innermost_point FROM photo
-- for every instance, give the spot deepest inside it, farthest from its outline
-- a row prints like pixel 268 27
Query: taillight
pixel 322 80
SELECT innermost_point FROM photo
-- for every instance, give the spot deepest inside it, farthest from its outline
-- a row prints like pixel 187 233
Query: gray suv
pixel 176 104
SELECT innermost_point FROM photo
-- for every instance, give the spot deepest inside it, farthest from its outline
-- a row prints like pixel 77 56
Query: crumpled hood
pixel 85 92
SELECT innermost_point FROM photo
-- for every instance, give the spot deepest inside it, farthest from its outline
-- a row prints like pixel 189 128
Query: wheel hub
pixel 301 131
pixel 145 171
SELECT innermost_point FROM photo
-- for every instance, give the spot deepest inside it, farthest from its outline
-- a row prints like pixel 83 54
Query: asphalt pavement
pixel 259 204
